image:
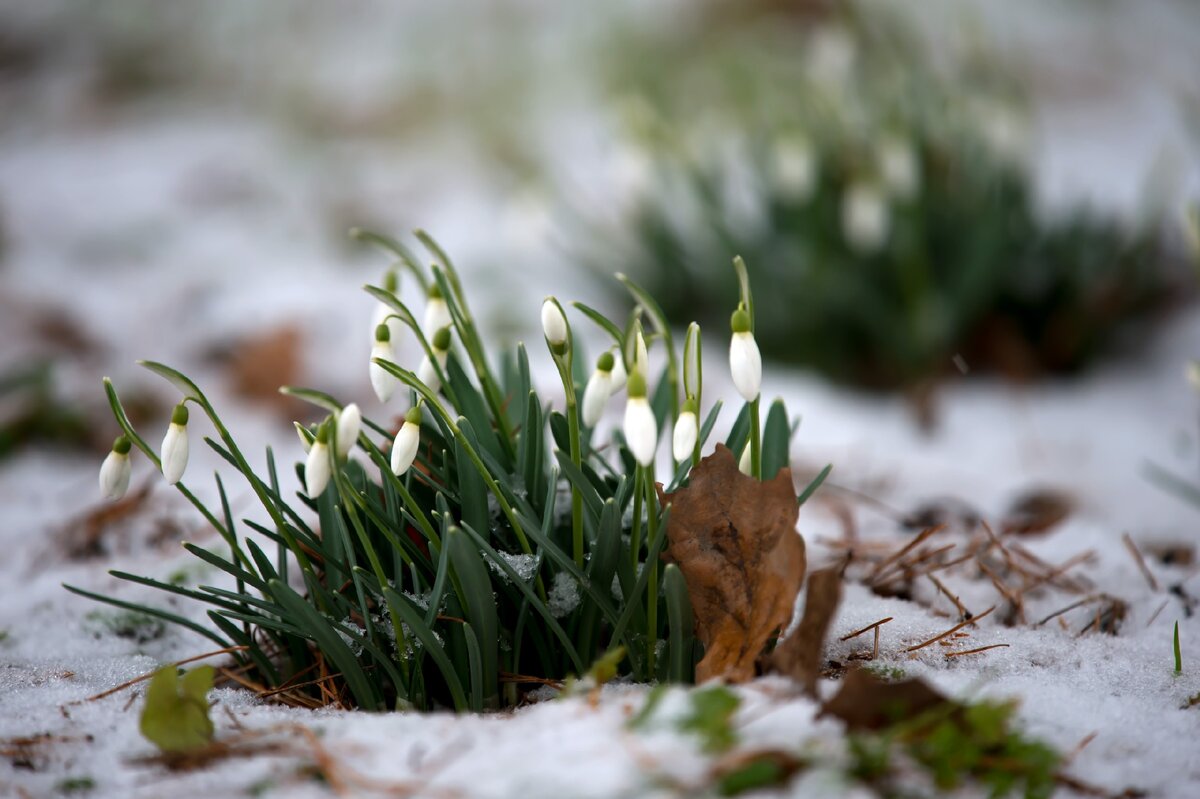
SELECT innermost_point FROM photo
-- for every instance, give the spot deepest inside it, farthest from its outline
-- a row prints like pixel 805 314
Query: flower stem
pixel 652 576
pixel 755 440
pixel 576 494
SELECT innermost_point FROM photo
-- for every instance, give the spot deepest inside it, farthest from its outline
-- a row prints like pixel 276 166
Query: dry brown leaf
pixel 866 702
pixel 799 655
pixel 735 541
pixel 259 364
pixel 1036 511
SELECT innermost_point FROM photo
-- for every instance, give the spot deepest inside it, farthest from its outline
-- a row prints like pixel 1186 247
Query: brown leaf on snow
pixel 866 702
pixel 259 364
pixel 1036 511
pixel 799 655
pixel 735 541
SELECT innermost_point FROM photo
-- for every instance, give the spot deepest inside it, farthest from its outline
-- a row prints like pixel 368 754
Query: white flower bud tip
pixel 898 166
pixel 745 362
pixel 382 381
pixel 745 466
pixel 348 423
pixel 1192 372
pixel 641 430
pixel 115 471
pixel 691 361
pixel 174 451
pixel 554 324
pixel 619 376
pixel 683 442
pixel 437 311
pixel 318 468
pixel 599 389
pixel 865 218
pixel 408 438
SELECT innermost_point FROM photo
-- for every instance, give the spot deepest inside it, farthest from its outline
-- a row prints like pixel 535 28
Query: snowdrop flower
pixel 174 452
pixel 426 372
pixel 115 471
pixel 348 423
pixel 305 441
pixel 745 362
pixel 384 315
pixel 865 218
pixel 1192 371
pixel 318 468
pixel 437 312
pixel 831 55
pixel 692 373
pixel 554 325
pixel 641 429
pixel 683 442
pixel 898 166
pixel 619 375
pixel 744 464
pixel 383 381
pixel 404 448
pixel 794 168
pixel 599 389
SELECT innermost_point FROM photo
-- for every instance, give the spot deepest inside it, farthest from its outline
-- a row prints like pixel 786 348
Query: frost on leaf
pixel 735 541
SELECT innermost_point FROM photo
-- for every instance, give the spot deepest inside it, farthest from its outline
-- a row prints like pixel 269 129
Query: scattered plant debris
pixel 1037 511
pixel 799 655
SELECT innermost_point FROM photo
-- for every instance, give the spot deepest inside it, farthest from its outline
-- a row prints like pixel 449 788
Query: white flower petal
pixel 349 421
pixel 428 375
pixel 114 475
pixel 317 470
pixel 174 453
pixel 595 396
pixel 683 443
pixel 618 372
pixel 554 324
pixel 745 365
pixel 744 465
pixel 437 315
pixel 382 381
pixel 404 448
pixel 641 430
pixel 865 218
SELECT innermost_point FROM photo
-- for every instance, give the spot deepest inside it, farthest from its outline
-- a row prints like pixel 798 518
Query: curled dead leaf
pixel 735 541
pixel 799 655
pixel 866 702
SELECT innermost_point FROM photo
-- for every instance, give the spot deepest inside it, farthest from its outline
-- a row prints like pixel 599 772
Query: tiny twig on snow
pixel 975 651
pixel 951 631
pixel 1140 561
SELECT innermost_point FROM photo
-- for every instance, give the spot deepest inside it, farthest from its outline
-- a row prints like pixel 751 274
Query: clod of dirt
pixel 735 541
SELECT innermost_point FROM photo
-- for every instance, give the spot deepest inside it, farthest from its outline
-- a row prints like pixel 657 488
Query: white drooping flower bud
pixel 794 168
pixel 408 438
pixel 305 441
pixel 898 166
pixel 745 362
pixel 683 441
pixel 437 311
pixel 115 471
pixel 349 420
pixel 641 428
pixel 619 375
pixel 554 324
pixel 426 373
pixel 318 467
pixel 174 451
pixel 641 354
pixel 384 313
pixel 865 218
pixel 382 381
pixel 599 389
pixel 745 464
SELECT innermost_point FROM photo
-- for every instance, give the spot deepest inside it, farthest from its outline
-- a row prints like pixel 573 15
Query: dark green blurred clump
pixel 879 198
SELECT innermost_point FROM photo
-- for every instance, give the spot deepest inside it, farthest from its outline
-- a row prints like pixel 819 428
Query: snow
pixel 165 230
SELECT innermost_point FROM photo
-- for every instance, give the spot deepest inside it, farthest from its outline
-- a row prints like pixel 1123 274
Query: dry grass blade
pixel 963 613
pixel 866 629
pixel 1161 608
pixel 976 650
pixel 1140 561
pixel 1069 608
pixel 950 632
pixel 904 550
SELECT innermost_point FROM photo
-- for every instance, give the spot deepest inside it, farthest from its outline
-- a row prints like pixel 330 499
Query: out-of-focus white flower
pixel 554 324
pixel 831 55
pixel 745 362
pixel 382 381
pixel 865 217
pixel 619 375
pixel 599 389
pixel 745 463
pixel 116 469
pixel 426 373
pixel 174 451
pixel 794 168
pixel 437 311
pixel 348 423
pixel 898 166
pixel 683 441
pixel 1002 130
pixel 641 358
pixel 641 428
pixel 1192 372
pixel 318 468
pixel 408 438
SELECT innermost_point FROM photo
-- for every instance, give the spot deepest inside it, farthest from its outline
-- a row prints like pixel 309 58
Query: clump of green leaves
pixel 709 715
pixel 513 544
pixel 175 714
pixel 887 205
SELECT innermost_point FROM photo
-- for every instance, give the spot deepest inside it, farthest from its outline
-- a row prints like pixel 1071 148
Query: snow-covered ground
pixel 164 228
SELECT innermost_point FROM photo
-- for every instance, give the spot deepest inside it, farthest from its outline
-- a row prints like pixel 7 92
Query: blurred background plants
pixel 879 191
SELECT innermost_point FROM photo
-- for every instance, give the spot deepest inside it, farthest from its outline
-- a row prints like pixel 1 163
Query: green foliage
pixel 518 543
pixel 139 627
pixel 958 745
pixel 1178 652
pixel 175 715
pixel 711 717
pixel 75 785
pixel 966 264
